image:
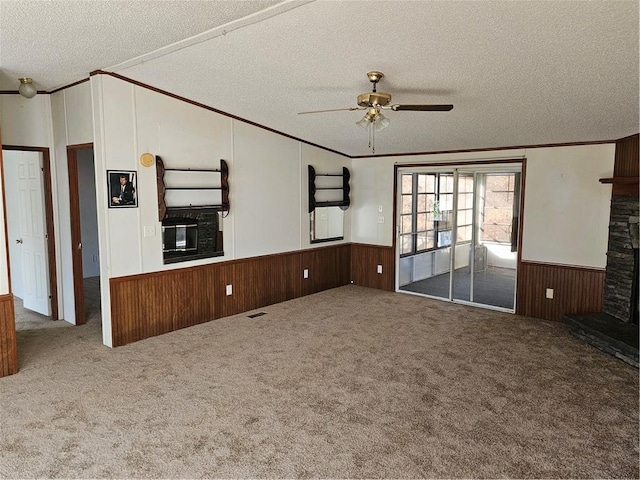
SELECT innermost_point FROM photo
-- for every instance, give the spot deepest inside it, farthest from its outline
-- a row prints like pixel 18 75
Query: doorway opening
pixel 458 233
pixel 29 206
pixel 84 232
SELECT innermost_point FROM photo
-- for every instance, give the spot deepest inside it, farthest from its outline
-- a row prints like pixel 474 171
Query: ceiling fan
pixel 374 102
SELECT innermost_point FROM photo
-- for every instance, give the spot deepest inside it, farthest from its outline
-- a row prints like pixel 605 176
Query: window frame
pixel 436 225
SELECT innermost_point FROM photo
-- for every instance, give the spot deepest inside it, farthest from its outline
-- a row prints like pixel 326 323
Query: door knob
pixel 80 246
pixel 19 240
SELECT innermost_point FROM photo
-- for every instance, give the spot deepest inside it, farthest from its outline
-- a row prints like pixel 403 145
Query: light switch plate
pixel 149 231
pixel 379 268
pixel 549 293
pixel 305 273
pixel 229 289
pixel 379 208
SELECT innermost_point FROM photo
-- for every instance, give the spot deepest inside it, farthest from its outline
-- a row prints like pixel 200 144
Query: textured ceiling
pixel 57 42
pixel 518 73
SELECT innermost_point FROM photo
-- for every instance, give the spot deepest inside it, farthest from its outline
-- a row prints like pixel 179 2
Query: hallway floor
pixel 30 320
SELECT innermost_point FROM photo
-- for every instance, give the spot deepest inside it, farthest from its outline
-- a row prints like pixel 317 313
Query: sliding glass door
pixel 426 232
pixel 458 234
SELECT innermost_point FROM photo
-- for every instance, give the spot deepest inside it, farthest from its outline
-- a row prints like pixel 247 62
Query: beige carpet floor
pixel 351 382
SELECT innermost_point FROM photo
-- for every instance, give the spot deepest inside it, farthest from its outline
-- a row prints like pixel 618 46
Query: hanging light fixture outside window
pixel 374 121
pixel 26 88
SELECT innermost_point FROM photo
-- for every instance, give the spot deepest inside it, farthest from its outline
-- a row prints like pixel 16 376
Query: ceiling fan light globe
pixel 363 122
pixel 26 88
pixel 381 123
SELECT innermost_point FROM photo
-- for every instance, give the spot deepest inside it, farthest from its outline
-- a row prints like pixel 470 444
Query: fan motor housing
pixel 374 98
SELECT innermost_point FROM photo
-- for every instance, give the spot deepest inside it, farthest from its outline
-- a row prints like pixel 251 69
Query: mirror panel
pixel 327 224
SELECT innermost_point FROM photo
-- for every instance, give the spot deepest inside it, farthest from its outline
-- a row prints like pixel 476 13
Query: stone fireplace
pixel 621 280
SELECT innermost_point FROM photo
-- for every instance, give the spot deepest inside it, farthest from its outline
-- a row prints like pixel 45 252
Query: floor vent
pixel 257 314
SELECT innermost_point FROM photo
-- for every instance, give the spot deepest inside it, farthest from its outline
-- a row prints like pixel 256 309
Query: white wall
pixel 372 187
pixel 52 121
pixel 267 179
pixel 500 255
pixel 28 123
pixel 566 213
pixel 72 119
pixel 88 216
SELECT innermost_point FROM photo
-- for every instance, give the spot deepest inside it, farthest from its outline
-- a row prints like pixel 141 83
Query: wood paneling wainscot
pixel 575 290
pixel 364 266
pixel 8 349
pixel 146 305
pixel 328 268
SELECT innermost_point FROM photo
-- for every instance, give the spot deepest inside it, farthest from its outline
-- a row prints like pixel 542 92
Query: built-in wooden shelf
pixel 342 202
pixel 223 171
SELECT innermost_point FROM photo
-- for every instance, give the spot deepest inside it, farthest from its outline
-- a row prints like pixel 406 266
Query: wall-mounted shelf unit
pixel 222 207
pixel 191 226
pixel 343 202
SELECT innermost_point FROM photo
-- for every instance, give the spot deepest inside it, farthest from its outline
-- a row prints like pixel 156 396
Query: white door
pixel 33 238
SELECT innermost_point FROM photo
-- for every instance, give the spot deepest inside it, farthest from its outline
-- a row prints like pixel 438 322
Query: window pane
pixel 405 243
pixel 465 183
pixel 430 200
pixel 406 223
pixel 406 204
pixel 462 201
pixel 422 183
pixel 498 208
pixel 422 222
pixel 445 223
pixel 500 183
pixel 431 183
pixel 500 199
pixel 421 241
pixel 465 200
pixel 431 239
pixel 464 217
pixel 422 202
pixel 444 238
pixel 407 183
pixel 430 220
pixel 464 234
pixel 446 183
pixel 446 202
pixel 496 233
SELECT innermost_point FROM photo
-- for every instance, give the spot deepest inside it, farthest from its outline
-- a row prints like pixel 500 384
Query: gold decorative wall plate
pixel 146 159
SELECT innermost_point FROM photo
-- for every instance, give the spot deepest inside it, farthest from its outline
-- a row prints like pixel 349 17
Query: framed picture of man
pixel 122 187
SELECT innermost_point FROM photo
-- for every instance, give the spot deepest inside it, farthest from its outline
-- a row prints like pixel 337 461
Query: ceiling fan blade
pixel 422 108
pixel 333 110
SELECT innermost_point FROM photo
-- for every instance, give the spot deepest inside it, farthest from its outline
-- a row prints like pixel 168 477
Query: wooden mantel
pixel 625 180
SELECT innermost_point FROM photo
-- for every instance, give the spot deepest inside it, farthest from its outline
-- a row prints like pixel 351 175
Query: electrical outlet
pixel 95 259
pixel 149 231
pixel 305 273
pixel 549 293
pixel 229 290
pixel 379 269
pixel 380 219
